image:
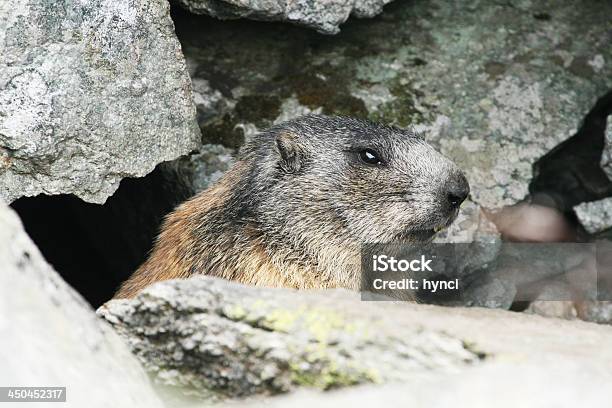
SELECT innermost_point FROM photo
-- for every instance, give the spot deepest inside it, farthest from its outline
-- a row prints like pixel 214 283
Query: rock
pixel 606 158
pixel 324 17
pixel 563 309
pixel 571 173
pixel 570 304
pixel 199 170
pixel 49 336
pixel 220 339
pixel 598 312
pixel 479 245
pixel 492 385
pixel 522 83
pixel 591 311
pixel 595 216
pixel 90 92
pixel 555 301
pixel 258 341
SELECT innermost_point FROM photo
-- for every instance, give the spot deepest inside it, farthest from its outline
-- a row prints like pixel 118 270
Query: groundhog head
pixel 345 180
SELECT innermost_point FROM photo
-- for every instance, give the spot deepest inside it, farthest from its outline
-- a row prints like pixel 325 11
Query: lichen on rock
pixel 219 339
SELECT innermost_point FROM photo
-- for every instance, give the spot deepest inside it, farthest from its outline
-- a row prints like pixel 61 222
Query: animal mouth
pixel 425 235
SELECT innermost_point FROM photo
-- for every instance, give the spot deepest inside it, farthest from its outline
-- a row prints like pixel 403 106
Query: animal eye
pixel 370 157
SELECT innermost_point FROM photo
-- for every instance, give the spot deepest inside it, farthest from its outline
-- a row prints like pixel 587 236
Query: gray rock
pixel 606 158
pixel 560 386
pixel 90 92
pixel 219 339
pixel 323 16
pixel 595 216
pixel 571 305
pixel 49 336
pixel 592 311
pixel 199 170
pixel 563 309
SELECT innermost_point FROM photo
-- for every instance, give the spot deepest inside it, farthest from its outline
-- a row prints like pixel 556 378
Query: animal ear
pixel 291 153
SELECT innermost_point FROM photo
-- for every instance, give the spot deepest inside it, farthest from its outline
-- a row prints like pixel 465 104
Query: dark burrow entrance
pixel 96 247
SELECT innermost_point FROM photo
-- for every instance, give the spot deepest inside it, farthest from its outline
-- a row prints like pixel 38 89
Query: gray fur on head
pixel 310 184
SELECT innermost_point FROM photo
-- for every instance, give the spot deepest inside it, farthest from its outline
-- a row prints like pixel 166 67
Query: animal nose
pixel 457 191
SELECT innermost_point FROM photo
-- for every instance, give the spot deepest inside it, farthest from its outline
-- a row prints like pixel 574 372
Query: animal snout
pixel 457 190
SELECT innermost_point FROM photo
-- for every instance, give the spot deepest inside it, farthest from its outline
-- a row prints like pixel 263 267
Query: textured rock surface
pixel 90 92
pixel 492 385
pixel 324 16
pixel 49 336
pixel 595 216
pixel 503 82
pixel 606 158
pixel 199 170
pixel 225 339
pixel 598 312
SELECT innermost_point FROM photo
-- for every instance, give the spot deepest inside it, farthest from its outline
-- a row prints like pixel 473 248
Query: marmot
pixel 299 201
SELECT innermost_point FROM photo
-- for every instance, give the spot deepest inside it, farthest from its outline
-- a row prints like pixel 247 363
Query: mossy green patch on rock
pixel 326 87
pixel 331 376
pixel 321 325
pixel 223 131
pixel 259 109
pixel 402 110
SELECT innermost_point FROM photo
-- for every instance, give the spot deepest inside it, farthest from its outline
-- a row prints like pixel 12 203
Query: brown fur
pixel 173 254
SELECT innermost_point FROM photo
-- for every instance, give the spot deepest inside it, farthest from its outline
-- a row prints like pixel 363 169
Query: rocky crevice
pixel 96 247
